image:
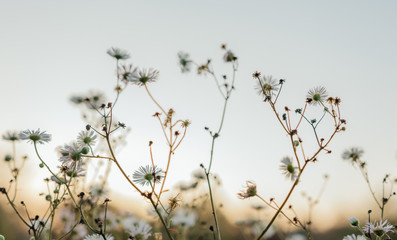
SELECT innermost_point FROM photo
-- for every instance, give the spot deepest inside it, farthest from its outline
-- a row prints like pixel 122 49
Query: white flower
pixel 35 136
pixel 118 54
pixel 268 86
pixel 317 95
pixel 379 228
pixel 80 231
pixel 258 227
pixel 184 217
pixel 288 169
pixel 98 237
pixel 11 136
pixel 111 220
pixel 353 154
pixel 184 62
pixel 129 221
pixel 97 191
pixel 354 237
pixel 140 230
pixel 72 156
pixel 296 236
pixel 68 218
pixel 353 221
pixel 125 71
pixel 143 76
pixel 87 138
pixel 147 175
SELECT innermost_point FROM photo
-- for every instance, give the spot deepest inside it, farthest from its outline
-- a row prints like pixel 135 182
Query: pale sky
pixel 51 50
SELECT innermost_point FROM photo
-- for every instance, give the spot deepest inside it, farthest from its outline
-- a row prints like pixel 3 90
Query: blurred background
pixel 51 51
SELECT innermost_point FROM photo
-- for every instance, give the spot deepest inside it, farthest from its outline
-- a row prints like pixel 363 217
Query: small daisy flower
pixel 249 191
pixel 86 138
pixel 229 56
pixel 353 154
pixel 147 175
pixel 354 237
pixel 129 221
pixel 288 169
pixel 317 95
pixel 268 86
pixel 184 62
pixel 72 155
pixel 380 228
pixel 353 221
pixel 143 76
pixel 118 54
pixel 11 136
pixel 184 217
pixel 125 71
pixel 140 230
pixel 35 136
pixel 98 237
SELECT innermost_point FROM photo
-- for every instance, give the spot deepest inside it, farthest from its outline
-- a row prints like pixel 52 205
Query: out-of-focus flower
pixel 288 169
pixel 184 62
pixel 111 220
pixel 268 86
pixel 353 154
pixel 229 56
pixel 140 231
pixel 296 236
pixel 198 174
pixel 353 221
pixel 97 191
pixel 79 232
pixel 86 138
pixel 68 218
pixel 98 237
pixel 184 217
pixel 249 191
pixel 118 54
pixel 125 71
pixel 258 227
pixel 129 221
pixel 354 237
pixel 147 175
pixel 317 95
pixel 143 76
pixel 35 136
pixel 11 136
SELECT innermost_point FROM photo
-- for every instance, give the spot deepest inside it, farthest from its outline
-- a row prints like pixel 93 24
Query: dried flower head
pixel 35 136
pixel 118 54
pixel 229 56
pixel 249 191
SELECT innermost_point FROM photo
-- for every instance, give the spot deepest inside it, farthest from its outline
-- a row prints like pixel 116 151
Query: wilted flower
pixel 147 175
pixel 249 191
pixel 354 237
pixel 140 230
pixel 35 136
pixel 353 154
pixel 143 76
pixel 204 68
pixel 229 56
pixel 184 61
pixel 267 86
pixel 98 237
pixel 288 169
pixel 317 95
pixel 118 54
pixel 11 136
pixel 87 138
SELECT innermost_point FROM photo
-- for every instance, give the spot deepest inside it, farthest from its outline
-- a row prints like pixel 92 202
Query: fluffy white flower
pixel 184 217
